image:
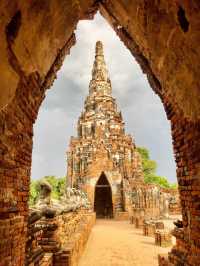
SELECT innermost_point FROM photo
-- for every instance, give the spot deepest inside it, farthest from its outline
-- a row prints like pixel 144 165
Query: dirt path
pixel 118 243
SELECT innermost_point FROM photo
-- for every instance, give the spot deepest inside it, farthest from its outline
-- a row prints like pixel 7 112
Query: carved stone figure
pixel 71 200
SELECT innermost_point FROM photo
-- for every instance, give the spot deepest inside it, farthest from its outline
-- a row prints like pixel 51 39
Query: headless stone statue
pixel 71 200
pixel 164 205
pixel 44 203
pixel 45 194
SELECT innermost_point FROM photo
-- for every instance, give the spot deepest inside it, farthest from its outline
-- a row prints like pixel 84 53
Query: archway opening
pixel 103 198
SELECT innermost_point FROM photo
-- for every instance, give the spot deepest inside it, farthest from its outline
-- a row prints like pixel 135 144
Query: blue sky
pixel 142 110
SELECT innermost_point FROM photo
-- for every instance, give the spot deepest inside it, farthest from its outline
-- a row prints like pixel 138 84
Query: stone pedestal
pixel 149 227
pixel 163 238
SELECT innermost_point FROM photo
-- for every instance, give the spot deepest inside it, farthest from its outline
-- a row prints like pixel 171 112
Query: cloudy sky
pixel 142 110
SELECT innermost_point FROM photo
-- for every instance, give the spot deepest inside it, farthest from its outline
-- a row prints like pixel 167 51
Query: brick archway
pixel 36 36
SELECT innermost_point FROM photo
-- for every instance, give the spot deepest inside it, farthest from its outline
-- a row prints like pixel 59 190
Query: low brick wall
pixel 74 247
pixel 58 241
pixel 68 224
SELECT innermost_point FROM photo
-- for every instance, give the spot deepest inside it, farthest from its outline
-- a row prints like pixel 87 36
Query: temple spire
pixel 99 48
pixel 100 72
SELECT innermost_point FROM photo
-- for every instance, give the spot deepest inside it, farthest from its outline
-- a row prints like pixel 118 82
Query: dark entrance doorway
pixel 103 198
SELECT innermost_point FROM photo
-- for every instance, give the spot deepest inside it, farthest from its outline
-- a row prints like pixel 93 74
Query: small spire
pixel 99 71
pixel 99 48
pixel 100 82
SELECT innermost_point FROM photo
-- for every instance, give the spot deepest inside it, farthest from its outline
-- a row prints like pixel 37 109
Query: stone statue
pixel 164 210
pixel 71 200
pixel 45 194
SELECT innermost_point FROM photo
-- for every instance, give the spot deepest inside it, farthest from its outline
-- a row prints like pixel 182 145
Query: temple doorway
pixel 103 198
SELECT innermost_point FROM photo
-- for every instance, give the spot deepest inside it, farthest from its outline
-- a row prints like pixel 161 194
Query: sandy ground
pixel 118 243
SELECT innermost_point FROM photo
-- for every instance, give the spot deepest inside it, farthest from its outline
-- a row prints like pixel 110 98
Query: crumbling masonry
pixel 102 158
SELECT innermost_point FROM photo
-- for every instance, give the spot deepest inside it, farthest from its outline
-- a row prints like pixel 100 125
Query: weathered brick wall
pixel 186 137
pixel 59 240
pixel 34 253
pixel 68 224
pixel 16 125
pixel 16 122
pixel 74 247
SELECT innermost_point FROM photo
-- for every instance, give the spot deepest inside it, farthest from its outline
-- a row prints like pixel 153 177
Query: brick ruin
pixel 164 38
pixel 58 229
pixel 58 240
pixel 103 161
pixel 102 157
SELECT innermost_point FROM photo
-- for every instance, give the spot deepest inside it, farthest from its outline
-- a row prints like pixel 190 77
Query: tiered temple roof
pixel 101 133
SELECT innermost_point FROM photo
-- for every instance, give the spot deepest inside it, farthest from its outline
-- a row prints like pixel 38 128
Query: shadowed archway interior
pixel 103 198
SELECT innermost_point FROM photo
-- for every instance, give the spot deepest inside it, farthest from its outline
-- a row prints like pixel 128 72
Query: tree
pixel 149 168
pixel 174 185
pixel 159 180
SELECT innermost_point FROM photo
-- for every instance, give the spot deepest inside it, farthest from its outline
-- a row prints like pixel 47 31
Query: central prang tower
pixel 102 160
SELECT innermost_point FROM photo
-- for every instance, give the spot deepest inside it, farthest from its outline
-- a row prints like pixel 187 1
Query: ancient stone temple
pixel 102 160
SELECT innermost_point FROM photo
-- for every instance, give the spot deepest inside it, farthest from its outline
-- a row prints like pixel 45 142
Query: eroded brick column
pixel 16 133
pixel 186 136
pixel 16 126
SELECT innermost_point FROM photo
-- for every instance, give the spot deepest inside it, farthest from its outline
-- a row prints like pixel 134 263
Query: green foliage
pixel 149 168
pixel 57 184
pixel 173 185
pixel 160 180
pixel 144 153
pixel 34 192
